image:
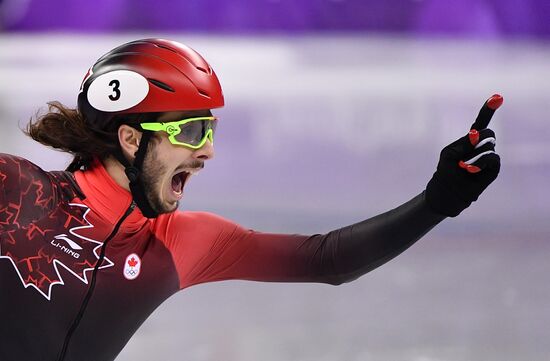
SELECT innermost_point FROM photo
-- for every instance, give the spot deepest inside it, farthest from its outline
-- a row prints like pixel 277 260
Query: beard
pixel 151 178
pixel 152 173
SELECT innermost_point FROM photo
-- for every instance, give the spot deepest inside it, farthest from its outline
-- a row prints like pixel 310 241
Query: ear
pixel 129 138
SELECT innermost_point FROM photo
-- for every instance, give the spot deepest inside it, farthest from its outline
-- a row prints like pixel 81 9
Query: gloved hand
pixel 466 167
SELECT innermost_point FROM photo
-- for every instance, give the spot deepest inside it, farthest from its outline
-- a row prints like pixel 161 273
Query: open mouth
pixel 178 182
pixel 180 178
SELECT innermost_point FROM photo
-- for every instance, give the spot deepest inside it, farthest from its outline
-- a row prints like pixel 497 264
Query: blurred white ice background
pixel 320 132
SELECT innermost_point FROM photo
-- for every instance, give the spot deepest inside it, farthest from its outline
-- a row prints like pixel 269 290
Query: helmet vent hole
pixel 162 85
pixel 166 47
pixel 203 93
pixel 202 69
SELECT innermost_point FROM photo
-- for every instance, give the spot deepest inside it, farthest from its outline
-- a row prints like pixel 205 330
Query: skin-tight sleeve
pixel 359 248
pixel 207 248
pixel 26 191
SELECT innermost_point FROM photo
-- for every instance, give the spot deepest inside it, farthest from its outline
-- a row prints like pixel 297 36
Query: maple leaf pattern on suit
pixel 31 243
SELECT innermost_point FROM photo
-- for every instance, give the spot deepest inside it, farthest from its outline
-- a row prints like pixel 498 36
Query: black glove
pixel 466 167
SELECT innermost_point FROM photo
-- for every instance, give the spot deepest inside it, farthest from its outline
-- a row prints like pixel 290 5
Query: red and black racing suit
pixel 81 268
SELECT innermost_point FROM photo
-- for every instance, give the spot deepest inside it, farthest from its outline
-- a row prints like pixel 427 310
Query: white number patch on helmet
pixel 117 90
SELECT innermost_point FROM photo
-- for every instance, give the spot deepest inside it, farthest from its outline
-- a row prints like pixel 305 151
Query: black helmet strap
pixel 133 172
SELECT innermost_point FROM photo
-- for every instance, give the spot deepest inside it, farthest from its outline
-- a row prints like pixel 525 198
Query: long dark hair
pixel 66 130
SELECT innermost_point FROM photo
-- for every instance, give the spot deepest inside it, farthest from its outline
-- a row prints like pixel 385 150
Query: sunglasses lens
pixel 194 132
pixel 212 125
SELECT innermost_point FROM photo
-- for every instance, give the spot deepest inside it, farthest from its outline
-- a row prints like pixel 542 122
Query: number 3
pixel 115 84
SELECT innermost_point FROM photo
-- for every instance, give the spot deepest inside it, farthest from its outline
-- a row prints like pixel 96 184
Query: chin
pixel 168 208
pixel 174 208
pixel 162 206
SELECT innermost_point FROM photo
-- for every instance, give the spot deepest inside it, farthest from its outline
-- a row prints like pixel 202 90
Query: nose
pixel 205 152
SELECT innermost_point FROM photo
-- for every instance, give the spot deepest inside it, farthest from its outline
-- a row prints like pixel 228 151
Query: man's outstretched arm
pixel 466 167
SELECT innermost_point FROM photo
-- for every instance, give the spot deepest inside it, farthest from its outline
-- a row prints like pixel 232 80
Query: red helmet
pixel 146 76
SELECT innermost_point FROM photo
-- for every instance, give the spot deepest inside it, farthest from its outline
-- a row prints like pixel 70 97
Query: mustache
pixel 196 164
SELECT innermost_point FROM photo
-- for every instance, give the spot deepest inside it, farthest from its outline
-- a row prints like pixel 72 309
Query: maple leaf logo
pixel 132 262
pixel 38 251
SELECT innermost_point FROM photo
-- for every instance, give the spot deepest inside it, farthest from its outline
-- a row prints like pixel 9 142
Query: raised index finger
pixel 487 111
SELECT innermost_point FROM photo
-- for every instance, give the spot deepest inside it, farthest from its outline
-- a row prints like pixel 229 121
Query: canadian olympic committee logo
pixel 132 267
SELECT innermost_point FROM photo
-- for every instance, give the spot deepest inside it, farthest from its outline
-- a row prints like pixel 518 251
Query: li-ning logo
pixel 38 266
pixel 72 244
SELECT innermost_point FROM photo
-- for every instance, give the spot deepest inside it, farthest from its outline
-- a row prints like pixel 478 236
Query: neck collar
pixel 105 196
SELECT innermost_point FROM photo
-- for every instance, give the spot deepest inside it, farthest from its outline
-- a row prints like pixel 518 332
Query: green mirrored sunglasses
pixel 190 132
